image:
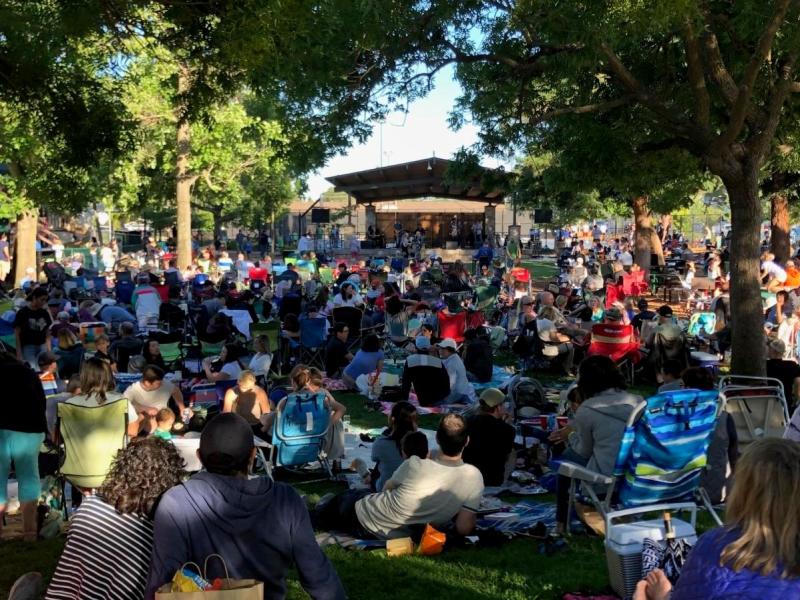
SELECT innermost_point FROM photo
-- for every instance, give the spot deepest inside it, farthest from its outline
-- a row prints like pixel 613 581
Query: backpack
pixel 526 391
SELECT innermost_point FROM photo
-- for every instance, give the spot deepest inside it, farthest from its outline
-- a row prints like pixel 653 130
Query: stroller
pixel 300 431
pixel 56 274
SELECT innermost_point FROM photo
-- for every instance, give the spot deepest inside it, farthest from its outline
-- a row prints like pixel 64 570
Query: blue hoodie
pixel 260 527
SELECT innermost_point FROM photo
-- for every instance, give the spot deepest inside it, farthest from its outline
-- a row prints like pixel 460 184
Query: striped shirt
pixel 107 555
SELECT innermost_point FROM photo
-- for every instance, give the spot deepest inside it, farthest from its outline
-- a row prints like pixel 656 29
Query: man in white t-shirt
pixel 461 390
pixel 775 274
pixel 152 393
pixel 625 257
pixel 435 490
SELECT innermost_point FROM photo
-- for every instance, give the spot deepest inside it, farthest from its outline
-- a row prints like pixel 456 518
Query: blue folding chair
pixel 312 341
pixel 661 458
pixel 125 380
pixel 299 431
pixel 100 284
pixel 124 291
pixel 398 264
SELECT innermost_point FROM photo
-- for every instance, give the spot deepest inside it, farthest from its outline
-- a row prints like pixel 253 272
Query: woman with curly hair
pixel 110 537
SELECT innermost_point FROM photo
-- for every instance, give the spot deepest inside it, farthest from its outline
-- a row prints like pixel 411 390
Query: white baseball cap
pixel 448 343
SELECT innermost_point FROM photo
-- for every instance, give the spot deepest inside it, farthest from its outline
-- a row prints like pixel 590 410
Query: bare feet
pixel 655 586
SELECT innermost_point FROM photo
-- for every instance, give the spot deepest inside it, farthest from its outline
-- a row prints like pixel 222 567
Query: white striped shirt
pixel 107 555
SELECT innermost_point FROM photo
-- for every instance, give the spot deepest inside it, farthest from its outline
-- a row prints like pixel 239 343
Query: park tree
pixel 711 77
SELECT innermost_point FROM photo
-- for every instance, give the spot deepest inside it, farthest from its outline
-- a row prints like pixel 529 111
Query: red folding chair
pixel 163 292
pixel 475 319
pixel 452 325
pixel 614 293
pixel 616 341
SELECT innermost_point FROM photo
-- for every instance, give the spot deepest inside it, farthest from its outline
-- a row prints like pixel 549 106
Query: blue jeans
pixel 30 355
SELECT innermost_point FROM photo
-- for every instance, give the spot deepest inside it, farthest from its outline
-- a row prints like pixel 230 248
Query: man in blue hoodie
pixel 260 527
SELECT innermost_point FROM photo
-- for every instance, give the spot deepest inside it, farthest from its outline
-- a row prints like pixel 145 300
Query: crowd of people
pixel 150 333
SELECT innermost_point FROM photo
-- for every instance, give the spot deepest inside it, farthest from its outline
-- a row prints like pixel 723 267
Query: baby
pixel 165 419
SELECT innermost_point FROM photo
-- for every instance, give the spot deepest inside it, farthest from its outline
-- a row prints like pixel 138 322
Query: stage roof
pixel 416 179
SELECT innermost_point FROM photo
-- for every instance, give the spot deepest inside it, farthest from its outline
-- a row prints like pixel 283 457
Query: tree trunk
pixel 217 216
pixel 646 241
pixel 272 231
pixel 184 181
pixel 748 354
pixel 25 244
pixel 779 243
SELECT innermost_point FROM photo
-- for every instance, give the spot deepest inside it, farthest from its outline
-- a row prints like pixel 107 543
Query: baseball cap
pixel 492 397
pixel 448 343
pixel 526 300
pixel 422 342
pixel 614 314
pixel 63 316
pixel 226 442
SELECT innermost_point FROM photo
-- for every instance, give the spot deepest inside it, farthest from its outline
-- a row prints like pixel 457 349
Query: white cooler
pixel 624 541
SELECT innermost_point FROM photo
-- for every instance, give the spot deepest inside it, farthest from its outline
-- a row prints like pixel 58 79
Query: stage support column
pixel 371 216
pixel 489 223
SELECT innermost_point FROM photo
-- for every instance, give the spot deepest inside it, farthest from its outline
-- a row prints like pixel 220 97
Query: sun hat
pixel 492 397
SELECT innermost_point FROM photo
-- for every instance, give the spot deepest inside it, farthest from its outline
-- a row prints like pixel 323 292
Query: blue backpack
pixel 300 429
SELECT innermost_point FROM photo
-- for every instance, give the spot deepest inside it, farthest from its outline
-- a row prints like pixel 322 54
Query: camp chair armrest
pixel 576 471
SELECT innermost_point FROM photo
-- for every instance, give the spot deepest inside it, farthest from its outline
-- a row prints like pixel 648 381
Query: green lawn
pixel 514 571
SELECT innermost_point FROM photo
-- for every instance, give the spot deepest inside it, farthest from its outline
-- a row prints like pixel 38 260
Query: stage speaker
pixel 320 215
pixel 543 215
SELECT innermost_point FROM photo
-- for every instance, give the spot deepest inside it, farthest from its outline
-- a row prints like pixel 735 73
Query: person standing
pixel 22 432
pixel 32 328
pixel 5 257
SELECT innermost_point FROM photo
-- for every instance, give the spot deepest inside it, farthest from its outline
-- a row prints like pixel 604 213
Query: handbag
pixel 229 589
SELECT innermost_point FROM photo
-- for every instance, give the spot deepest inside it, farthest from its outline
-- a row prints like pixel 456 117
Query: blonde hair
pixel 261 344
pixel 67 338
pixel 549 313
pixel 246 377
pixel 300 376
pixel 762 506
pixel 315 377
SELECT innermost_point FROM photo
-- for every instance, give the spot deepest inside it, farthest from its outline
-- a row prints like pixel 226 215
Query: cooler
pixel 705 360
pixel 625 537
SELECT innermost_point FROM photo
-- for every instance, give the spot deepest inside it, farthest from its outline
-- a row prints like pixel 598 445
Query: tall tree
pixel 711 77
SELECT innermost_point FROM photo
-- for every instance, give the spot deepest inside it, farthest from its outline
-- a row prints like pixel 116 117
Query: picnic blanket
pixel 500 377
pixel 333 385
pixel 522 517
pixel 386 407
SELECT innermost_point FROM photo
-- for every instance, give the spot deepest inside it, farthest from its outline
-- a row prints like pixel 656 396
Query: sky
pixel 420 133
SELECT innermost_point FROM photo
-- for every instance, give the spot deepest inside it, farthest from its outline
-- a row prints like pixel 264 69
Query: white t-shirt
pixel 774 270
pixel 260 364
pixel 355 300
pixel 143 398
pixel 459 384
pixel 232 369
pixel 419 492
pixel 91 401
pixel 625 258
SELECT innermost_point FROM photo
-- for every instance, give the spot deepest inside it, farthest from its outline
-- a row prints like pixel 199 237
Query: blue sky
pixel 420 133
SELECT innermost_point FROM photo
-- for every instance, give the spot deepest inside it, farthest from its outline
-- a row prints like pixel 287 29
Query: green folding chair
pixel 209 349
pixel 91 437
pixel 326 275
pixel 172 353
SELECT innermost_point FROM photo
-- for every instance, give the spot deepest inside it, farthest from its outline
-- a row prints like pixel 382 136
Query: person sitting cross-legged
pixel 491 438
pixel 440 491
pixel 261 527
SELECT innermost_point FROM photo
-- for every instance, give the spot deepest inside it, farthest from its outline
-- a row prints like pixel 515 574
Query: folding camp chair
pixel 89 332
pixel 91 437
pixel 7 336
pixel 757 404
pixel 172 353
pixel 486 297
pixel 300 429
pixel 326 276
pixel 452 325
pixel 123 290
pixel 125 380
pixel 614 340
pixel 660 459
pixel 211 349
pixel 702 323
pixel 312 341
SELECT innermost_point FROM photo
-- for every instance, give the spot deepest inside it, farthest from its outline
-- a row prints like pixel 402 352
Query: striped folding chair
pixel 661 457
